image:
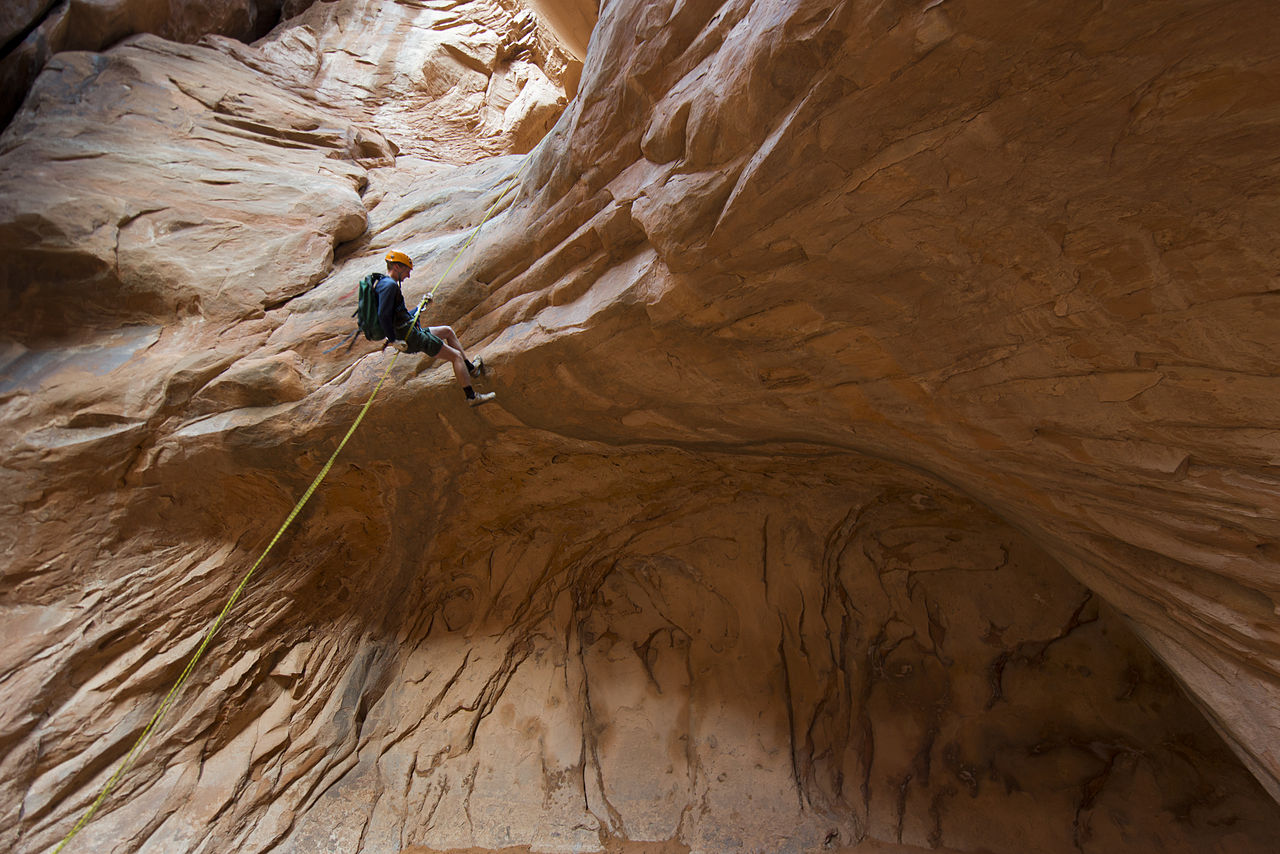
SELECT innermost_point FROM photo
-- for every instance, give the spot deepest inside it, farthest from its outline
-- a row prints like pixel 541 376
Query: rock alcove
pixel 883 459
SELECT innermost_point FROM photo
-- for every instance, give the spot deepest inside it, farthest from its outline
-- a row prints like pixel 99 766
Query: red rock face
pixel 881 458
pixel 31 31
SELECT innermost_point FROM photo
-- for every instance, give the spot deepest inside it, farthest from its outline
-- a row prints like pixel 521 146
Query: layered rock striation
pixel 883 456
pixel 32 31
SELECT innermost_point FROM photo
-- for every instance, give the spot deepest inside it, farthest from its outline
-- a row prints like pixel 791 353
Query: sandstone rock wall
pixel 32 31
pixel 882 458
pixel 937 236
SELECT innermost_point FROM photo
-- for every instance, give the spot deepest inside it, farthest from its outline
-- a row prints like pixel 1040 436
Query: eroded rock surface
pixel 31 31
pixel 883 459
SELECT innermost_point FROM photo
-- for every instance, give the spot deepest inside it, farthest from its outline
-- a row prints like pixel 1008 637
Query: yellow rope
pixel 514 181
pixel 293 514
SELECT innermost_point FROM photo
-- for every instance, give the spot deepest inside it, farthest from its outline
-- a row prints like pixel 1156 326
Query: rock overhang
pixel 638 309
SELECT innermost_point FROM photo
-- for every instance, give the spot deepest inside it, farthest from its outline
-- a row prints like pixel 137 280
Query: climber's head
pixel 399 265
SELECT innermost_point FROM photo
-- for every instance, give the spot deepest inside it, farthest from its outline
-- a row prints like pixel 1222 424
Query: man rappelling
pixel 382 303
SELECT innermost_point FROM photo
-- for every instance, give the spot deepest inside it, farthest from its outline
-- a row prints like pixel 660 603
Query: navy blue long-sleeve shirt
pixel 392 313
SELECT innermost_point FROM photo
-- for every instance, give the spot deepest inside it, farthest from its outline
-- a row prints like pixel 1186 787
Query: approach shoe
pixel 477 367
pixel 483 398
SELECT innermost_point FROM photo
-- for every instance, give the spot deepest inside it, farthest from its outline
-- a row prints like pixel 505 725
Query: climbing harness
pixel 172 696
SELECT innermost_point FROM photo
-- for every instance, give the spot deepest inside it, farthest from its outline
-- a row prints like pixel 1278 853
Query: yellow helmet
pixel 394 257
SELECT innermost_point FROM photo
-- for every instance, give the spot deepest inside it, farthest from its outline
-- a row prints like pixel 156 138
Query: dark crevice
pixel 789 702
pixel 264 17
pixel 19 73
pixel 36 22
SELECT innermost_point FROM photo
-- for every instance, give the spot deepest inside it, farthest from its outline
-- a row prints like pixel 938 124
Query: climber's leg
pixel 453 355
pixel 449 337
pixel 432 342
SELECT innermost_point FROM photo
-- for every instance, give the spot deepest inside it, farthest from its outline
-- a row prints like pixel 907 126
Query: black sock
pixel 471 369
pixel 469 392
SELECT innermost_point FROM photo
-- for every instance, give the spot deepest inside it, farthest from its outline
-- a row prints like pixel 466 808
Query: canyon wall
pixel 32 31
pixel 883 456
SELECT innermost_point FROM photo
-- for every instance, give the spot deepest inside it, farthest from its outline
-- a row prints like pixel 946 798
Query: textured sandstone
pixel 884 461
pixel 31 31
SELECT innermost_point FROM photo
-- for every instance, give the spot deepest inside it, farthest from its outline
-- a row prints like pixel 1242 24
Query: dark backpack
pixel 367 308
